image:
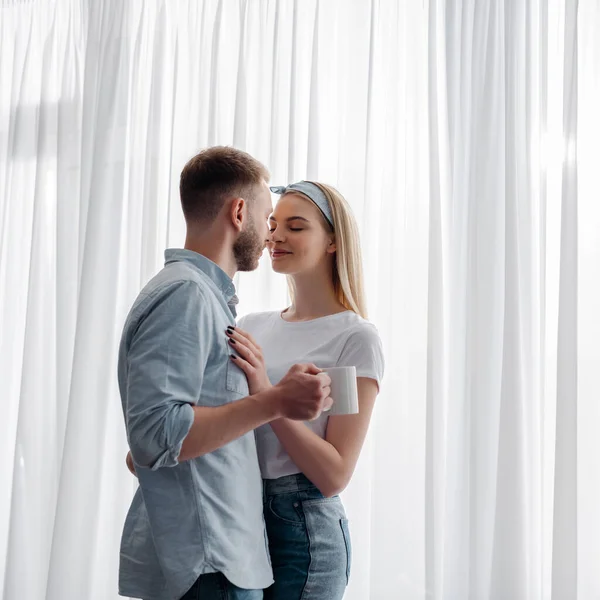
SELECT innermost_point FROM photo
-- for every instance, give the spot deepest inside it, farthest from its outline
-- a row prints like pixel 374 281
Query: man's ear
pixel 237 213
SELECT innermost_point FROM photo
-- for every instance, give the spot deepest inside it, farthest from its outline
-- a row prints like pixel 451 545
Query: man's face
pixel 251 242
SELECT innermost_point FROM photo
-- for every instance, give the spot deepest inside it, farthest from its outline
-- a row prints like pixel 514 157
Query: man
pixel 195 527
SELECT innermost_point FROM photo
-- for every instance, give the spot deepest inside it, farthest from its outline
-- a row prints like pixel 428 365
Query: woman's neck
pixel 314 297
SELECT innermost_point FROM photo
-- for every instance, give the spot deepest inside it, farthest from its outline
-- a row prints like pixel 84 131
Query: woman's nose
pixel 275 235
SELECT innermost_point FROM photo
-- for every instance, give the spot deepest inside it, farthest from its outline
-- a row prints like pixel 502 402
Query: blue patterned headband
pixel 310 190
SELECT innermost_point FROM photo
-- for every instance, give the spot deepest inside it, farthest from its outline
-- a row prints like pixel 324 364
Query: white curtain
pixel 465 135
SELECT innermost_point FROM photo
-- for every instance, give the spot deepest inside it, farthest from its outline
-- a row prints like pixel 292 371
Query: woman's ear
pixel 237 213
pixel 331 248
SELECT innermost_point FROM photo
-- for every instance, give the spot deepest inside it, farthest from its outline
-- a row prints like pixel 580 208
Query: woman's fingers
pixel 243 350
pixel 247 336
pixel 238 333
pixel 244 365
pixel 244 347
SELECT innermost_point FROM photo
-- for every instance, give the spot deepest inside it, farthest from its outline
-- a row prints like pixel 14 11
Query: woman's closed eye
pixel 272 229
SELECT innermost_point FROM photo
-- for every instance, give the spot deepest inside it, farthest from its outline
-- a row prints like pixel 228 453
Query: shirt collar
pixel 223 282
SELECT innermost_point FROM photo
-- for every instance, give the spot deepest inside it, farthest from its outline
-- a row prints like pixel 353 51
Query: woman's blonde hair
pixel 347 266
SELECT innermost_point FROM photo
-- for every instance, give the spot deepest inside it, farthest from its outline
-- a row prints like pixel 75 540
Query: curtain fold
pixel 463 133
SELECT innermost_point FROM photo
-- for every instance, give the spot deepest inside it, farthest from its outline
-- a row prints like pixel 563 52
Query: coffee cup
pixel 344 391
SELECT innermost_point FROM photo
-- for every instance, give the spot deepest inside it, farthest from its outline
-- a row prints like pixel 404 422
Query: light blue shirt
pixel 203 515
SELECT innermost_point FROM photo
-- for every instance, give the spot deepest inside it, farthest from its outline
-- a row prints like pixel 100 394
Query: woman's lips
pixel 279 253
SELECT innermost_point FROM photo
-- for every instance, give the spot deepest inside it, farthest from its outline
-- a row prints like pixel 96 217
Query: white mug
pixel 343 390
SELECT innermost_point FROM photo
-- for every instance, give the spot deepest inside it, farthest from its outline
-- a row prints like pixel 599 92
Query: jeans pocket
pixel 286 508
pixel 328 546
pixel 346 534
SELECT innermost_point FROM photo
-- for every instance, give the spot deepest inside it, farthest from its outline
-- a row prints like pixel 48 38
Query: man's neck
pixel 213 249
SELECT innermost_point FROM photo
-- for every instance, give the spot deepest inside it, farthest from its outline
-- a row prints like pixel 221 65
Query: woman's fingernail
pixel 232 341
pixel 233 356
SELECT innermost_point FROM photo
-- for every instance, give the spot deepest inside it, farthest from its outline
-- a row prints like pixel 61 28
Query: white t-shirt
pixel 341 340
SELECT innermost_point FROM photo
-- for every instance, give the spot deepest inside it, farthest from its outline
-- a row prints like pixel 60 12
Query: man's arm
pixel 166 361
pixel 300 396
pixel 214 427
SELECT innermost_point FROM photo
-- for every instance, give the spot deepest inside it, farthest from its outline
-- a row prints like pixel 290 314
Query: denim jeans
pixel 309 541
pixel 215 586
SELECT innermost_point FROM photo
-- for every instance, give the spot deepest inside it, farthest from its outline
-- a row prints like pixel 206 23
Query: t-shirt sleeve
pixel 363 349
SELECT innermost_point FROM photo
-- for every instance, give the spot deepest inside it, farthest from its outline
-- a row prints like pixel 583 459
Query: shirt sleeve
pixel 166 359
pixel 363 349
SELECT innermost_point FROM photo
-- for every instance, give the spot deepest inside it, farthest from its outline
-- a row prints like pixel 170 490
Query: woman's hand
pixel 248 357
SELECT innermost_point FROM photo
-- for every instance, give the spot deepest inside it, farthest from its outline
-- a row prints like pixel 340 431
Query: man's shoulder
pixel 167 288
pixel 173 286
pixel 173 276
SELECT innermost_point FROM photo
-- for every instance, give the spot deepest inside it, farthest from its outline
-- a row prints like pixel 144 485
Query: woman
pixel 314 241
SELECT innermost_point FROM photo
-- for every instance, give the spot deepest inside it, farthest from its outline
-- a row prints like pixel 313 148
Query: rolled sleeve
pixel 161 448
pixel 166 358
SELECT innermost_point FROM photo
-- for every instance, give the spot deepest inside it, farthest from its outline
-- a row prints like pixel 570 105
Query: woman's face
pixel 298 241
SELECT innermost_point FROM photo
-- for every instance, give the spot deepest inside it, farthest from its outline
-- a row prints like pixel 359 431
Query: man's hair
pixel 213 176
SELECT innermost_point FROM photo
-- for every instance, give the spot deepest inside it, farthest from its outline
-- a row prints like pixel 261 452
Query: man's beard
pixel 248 248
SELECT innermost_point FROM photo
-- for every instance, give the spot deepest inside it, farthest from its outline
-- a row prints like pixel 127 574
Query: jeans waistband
pixel 290 483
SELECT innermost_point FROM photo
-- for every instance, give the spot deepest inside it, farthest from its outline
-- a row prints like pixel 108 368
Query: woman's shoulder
pixel 256 319
pixel 358 327
pixel 362 348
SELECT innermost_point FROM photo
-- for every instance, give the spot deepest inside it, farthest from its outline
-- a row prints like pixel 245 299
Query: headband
pixel 310 190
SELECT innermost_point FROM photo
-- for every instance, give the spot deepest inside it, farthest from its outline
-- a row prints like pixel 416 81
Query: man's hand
pixel 304 393
pixel 129 463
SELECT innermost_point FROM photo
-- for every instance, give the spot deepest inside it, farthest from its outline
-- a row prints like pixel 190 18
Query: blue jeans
pixel 309 541
pixel 215 586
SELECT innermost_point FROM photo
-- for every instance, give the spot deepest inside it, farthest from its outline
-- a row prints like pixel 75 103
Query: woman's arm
pixel 330 462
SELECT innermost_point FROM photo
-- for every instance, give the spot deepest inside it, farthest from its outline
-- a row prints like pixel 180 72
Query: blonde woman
pixel 314 241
